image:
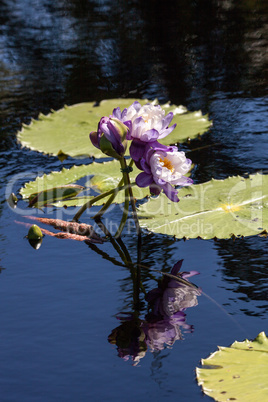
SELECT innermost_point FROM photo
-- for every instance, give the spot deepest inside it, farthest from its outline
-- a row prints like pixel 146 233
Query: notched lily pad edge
pixel 232 236
pixel 179 110
pixel 42 116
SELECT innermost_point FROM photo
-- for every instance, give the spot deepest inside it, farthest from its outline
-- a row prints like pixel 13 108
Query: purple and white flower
pixel 163 167
pixel 147 124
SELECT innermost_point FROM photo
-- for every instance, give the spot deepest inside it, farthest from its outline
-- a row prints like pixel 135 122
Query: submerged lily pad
pixel 66 132
pixel 218 208
pixel 237 373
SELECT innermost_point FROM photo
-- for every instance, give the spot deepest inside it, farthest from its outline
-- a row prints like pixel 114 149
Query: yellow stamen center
pixel 167 164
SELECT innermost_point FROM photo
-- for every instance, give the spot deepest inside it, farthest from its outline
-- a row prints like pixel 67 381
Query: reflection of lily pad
pixel 66 132
pixel 100 177
pixel 218 208
pixel 238 373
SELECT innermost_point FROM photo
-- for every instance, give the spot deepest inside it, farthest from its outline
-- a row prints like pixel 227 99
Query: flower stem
pixel 111 199
pixel 108 203
pixel 95 199
pixel 115 245
pixel 132 201
pixel 126 204
pixel 92 201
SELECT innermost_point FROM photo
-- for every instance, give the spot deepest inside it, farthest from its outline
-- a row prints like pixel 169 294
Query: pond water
pixel 61 304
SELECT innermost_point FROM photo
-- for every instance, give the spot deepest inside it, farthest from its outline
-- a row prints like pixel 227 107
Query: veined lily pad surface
pixel 238 373
pixel 66 132
pixel 217 208
pixel 100 177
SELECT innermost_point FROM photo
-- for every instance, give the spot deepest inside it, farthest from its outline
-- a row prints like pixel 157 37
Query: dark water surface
pixel 60 304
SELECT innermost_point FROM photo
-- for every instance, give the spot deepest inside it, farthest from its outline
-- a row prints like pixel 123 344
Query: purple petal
pixel 114 131
pixel 144 166
pixel 189 274
pixel 163 148
pixel 138 164
pixel 148 154
pixel 112 135
pixel 128 123
pixel 136 105
pixel 117 113
pixel 137 126
pixel 167 131
pixel 176 267
pixel 136 150
pixel 170 192
pixel 150 135
pixel 95 138
pixel 155 189
pixel 143 179
pixel 166 121
pixel 124 114
pixel 183 181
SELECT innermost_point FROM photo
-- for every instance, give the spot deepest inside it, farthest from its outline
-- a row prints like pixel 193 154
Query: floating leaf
pixel 218 208
pixel 237 373
pixel 189 125
pixel 54 179
pixel 52 195
pixel 66 132
pixel 100 177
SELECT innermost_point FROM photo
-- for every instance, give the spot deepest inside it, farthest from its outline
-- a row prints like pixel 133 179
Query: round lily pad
pixel 237 373
pixel 66 132
pixel 217 208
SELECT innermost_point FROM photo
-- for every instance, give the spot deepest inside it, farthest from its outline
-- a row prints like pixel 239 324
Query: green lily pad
pixel 100 177
pixel 66 132
pixel 218 208
pixel 189 124
pixel 55 179
pixel 47 197
pixel 237 373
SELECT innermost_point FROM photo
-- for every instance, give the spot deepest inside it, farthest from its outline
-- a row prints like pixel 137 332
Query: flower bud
pixel 110 137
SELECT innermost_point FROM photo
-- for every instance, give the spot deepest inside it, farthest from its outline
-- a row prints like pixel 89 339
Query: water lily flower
pixel 110 137
pixel 171 296
pixel 147 124
pixel 167 305
pixel 163 167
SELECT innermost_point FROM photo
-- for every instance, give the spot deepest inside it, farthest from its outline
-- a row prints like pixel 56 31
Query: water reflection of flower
pixel 162 325
pixel 129 338
pixel 167 303
pixel 172 296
